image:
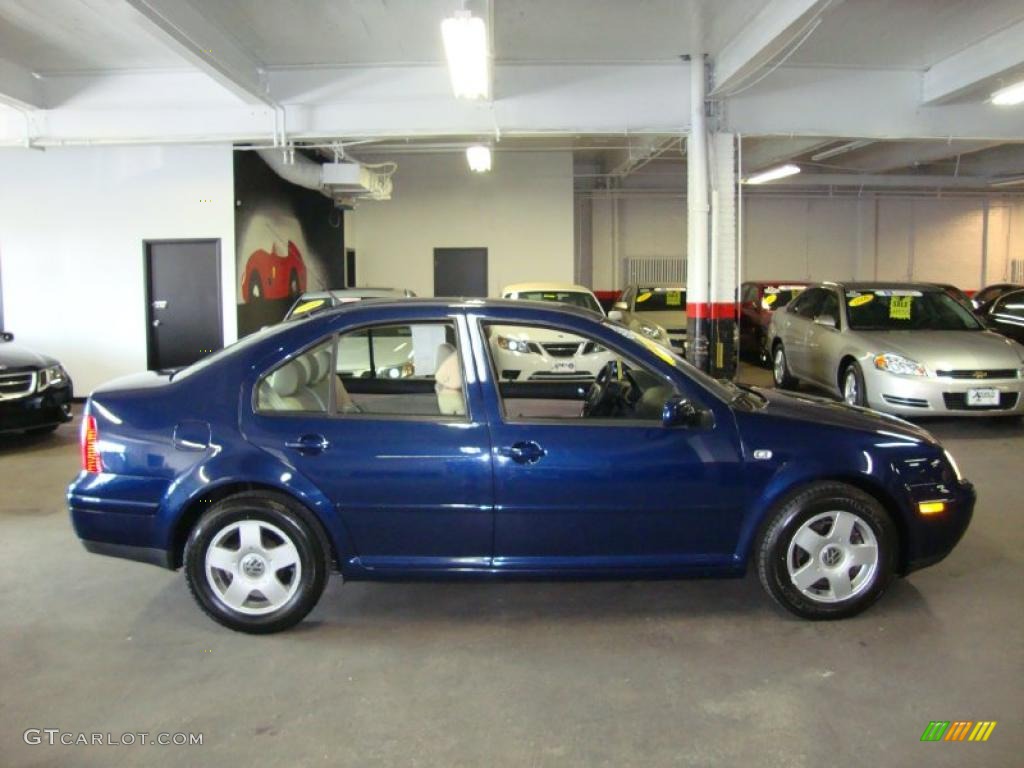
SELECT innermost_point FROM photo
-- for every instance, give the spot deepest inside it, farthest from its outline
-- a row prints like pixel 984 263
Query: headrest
pixel 448 374
pixel 287 379
pixel 323 358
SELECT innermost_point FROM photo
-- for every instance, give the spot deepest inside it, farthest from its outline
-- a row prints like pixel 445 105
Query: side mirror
pixel 621 306
pixel 616 315
pixel 6 336
pixel 825 320
pixel 680 412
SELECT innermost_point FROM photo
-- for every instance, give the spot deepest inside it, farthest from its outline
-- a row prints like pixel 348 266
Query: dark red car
pixel 271 275
pixel 757 302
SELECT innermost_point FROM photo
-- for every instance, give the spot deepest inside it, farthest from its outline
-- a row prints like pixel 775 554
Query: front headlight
pixel 902 366
pixel 654 332
pixel 954 465
pixel 52 377
pixel 513 345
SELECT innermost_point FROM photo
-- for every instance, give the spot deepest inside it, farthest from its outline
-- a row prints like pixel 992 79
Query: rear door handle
pixel 523 453
pixel 309 444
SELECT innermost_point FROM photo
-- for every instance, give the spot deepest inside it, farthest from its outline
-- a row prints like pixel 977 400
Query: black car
pixel 984 298
pixel 35 390
pixel 1005 314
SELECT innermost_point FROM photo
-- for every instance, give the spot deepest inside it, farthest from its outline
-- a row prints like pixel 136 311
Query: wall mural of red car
pixel 272 275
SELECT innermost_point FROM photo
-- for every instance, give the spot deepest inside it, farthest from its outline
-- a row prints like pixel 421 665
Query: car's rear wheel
pixel 255 564
pixel 780 368
pixel 828 552
pixel 293 284
pixel 854 391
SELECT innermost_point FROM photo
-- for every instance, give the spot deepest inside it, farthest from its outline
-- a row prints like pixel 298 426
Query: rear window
pixel 660 300
pixel 572 298
pixel 776 296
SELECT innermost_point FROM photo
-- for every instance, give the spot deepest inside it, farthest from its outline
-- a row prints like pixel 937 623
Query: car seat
pixel 448 382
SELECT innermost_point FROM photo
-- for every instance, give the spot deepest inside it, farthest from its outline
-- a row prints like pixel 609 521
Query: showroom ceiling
pixel 868 93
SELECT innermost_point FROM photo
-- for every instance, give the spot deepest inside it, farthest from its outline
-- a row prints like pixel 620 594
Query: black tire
pixel 780 370
pixel 853 373
pixel 255 287
pixel 822 501
pixel 764 352
pixel 293 285
pixel 287 517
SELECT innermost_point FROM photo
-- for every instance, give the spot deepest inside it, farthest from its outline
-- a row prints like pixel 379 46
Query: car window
pixel 403 369
pixel 656 299
pixel 778 296
pixel 1011 306
pixel 806 305
pixel 546 373
pixel 890 309
pixel 749 293
pixel 829 307
pixel 301 384
pixel 572 298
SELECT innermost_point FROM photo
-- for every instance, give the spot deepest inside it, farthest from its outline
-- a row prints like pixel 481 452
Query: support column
pixel 697 222
pixel 722 305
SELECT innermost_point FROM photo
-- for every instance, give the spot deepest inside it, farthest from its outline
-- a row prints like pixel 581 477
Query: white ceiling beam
pixel 775 27
pixel 764 152
pixel 186 31
pixel 921 181
pixel 995 56
pixel 19 87
pixel 905 154
pixel 1007 160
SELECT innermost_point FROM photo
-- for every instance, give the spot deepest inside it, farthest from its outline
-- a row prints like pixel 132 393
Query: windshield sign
pixel 776 296
pixel 901 309
pixel 660 300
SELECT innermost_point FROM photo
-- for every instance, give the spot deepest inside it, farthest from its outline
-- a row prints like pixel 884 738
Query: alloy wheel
pixel 851 393
pixel 253 567
pixel 833 557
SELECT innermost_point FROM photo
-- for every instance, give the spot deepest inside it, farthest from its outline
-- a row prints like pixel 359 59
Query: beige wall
pixel 522 212
pixel 822 238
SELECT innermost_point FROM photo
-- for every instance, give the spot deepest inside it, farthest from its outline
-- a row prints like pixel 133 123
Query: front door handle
pixel 523 453
pixel 309 444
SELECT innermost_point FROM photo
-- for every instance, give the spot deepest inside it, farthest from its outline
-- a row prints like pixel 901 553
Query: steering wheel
pixel 611 395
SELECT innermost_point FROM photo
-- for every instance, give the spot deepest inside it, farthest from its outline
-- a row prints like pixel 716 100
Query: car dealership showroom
pixel 511 382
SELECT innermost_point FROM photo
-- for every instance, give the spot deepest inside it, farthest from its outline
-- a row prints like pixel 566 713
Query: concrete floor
pixel 617 674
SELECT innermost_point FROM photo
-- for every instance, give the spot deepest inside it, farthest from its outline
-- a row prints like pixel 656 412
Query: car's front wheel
pixel 828 552
pixel 780 368
pixel 854 391
pixel 255 564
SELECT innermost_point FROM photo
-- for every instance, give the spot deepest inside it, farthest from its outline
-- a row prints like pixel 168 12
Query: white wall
pixel 522 212
pixel 72 225
pixel 824 238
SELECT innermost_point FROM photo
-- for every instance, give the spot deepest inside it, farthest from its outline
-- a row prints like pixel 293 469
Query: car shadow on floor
pixel 65 435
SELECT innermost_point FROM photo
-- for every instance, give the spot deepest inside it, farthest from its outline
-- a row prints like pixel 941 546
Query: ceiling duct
pixel 342 182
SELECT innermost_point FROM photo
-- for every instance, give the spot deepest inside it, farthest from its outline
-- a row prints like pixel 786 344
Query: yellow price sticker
pixel 673 298
pixel 770 299
pixel 643 297
pixel 860 301
pixel 308 306
pixel 657 349
pixel 899 307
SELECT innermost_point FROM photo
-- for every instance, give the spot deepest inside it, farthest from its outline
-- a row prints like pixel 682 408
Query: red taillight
pixel 90 457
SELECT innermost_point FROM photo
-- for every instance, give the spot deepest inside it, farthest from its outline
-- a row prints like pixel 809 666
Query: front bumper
pixel 939 396
pixel 534 366
pixel 36 411
pixel 935 536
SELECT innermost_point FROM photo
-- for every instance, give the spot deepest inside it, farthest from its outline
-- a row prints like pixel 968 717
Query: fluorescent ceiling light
pixel 465 46
pixel 479 158
pixel 1009 96
pixel 1011 182
pixel 772 174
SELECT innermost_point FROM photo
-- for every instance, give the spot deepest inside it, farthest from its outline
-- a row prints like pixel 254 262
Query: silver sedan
pixel 907 349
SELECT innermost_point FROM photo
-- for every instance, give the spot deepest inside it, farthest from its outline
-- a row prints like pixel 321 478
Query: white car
pixel 533 354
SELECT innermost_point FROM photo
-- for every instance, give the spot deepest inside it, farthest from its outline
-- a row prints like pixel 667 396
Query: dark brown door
pixel 460 272
pixel 183 301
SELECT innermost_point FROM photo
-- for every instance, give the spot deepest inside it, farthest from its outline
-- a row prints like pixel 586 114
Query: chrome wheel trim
pixel 253 567
pixel 833 557
pixel 779 365
pixel 851 393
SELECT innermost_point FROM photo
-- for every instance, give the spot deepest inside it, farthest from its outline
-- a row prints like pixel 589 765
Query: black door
pixel 460 272
pixel 183 302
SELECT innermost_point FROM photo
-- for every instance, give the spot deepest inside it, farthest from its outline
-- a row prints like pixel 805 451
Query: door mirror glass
pixel 6 336
pixel 616 315
pixel 622 306
pixel 826 320
pixel 680 412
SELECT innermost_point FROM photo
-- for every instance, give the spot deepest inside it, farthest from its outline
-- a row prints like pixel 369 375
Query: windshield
pixel 572 298
pixel 659 300
pixel 907 310
pixel 776 296
pixel 724 389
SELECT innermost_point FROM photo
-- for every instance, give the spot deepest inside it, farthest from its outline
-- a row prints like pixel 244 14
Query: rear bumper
pixel 160 557
pixel 45 409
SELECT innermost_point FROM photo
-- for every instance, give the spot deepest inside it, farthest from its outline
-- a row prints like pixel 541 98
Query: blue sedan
pixel 379 440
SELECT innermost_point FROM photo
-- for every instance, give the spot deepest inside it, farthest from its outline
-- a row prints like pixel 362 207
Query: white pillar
pixel 697 220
